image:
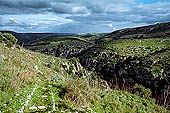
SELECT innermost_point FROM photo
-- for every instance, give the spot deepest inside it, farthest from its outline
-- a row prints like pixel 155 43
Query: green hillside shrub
pixel 141 91
pixel 8 39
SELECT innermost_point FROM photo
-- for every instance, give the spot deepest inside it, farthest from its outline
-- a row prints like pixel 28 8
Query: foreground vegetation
pixel 34 82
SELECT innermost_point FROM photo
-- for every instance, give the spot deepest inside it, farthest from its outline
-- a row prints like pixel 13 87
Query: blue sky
pixel 80 16
pixel 152 1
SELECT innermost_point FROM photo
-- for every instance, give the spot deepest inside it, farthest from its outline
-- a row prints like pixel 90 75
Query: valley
pixel 127 70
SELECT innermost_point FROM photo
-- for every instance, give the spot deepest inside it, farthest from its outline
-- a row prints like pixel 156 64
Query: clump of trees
pixel 8 39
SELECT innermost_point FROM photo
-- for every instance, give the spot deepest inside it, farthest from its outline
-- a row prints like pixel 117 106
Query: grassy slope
pixel 139 48
pixel 50 42
pixel 55 86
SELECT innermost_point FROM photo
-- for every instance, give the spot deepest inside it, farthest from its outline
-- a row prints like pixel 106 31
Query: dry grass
pixel 79 93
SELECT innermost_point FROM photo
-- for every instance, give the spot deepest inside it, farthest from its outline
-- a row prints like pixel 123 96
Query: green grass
pixel 122 101
pixel 21 70
pixel 139 48
pixel 13 101
pixel 58 39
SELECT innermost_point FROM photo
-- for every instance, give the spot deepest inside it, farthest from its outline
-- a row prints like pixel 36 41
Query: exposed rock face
pixel 126 69
pixel 64 51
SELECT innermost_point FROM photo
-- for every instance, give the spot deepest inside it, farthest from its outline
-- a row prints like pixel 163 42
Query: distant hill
pixel 151 31
pixel 160 29
pixel 25 38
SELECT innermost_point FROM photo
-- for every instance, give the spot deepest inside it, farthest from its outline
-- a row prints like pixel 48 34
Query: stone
pixel 17 94
pixel 44 96
pixel 2 57
pixel 40 72
pixel 52 61
pixel 5 105
pixel 41 107
pixel 36 67
pixel 33 108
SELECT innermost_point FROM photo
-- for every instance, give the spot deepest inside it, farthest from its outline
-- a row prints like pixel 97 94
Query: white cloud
pixel 79 15
pixel 118 8
pixel 32 22
pixel 110 25
pixel 79 9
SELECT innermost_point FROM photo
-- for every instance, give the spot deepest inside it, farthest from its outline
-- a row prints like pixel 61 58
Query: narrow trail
pixel 53 102
pixel 28 99
pixel 41 99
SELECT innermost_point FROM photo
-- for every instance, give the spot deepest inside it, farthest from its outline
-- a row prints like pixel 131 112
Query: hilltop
pixel 151 29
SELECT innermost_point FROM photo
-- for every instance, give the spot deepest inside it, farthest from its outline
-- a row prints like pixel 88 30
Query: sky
pixel 80 16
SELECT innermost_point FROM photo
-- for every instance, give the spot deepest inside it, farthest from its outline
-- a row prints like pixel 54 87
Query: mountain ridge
pixel 148 29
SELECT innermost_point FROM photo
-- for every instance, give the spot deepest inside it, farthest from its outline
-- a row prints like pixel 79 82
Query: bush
pixel 141 91
pixel 8 39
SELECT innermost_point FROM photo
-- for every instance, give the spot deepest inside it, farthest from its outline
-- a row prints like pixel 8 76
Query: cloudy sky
pixel 80 16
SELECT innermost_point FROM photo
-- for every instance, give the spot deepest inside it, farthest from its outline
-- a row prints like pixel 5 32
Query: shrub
pixel 141 91
pixel 8 39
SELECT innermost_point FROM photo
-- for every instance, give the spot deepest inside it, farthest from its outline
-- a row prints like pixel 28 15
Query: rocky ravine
pixel 121 70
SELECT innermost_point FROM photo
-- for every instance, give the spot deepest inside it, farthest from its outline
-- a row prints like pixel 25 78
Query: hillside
pixel 124 57
pixel 159 30
pixel 34 82
pixel 151 29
